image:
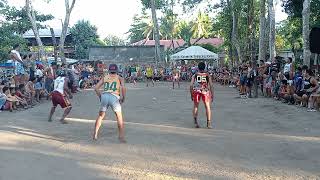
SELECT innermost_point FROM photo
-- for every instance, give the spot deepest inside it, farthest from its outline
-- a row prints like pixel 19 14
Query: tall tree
pixel 83 36
pixel 33 20
pixel 202 26
pixel 306 31
pixel 65 26
pixel 156 31
pixel 262 32
pixel 272 44
pixel 235 24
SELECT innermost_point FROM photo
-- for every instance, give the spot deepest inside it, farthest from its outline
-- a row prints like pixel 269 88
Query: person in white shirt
pixel 288 69
pixel 18 64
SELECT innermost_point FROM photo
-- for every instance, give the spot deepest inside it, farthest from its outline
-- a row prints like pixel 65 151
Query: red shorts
pixel 60 99
pixel 197 96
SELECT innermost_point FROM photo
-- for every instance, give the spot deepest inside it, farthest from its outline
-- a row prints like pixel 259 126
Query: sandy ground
pixel 252 139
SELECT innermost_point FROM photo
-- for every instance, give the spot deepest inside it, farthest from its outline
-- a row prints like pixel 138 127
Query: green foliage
pixel 169 25
pixel 112 40
pixel 212 48
pixel 294 9
pixel 185 31
pixel 13 23
pixel 7 40
pixel 290 31
pixel 138 27
pixel 19 21
pixel 159 4
pixel 202 26
pixel 84 35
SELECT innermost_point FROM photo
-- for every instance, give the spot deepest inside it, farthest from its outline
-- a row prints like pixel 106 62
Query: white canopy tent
pixel 195 53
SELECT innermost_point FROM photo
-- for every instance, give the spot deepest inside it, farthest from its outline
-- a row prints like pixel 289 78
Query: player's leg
pixel 196 100
pixel 98 123
pixel 178 80
pixel 207 103
pixel 120 126
pixel 116 107
pixel 66 105
pixel 55 101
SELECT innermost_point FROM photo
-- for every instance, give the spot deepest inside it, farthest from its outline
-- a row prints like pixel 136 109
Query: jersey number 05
pixel 201 79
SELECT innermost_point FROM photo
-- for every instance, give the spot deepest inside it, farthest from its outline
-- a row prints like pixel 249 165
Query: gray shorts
pixel 111 100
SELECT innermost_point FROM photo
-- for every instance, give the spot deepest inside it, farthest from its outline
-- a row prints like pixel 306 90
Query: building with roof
pixel 47 39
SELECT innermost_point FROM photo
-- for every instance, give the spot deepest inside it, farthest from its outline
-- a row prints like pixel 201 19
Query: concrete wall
pixel 123 54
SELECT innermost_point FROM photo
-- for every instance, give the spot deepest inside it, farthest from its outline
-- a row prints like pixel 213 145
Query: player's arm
pixel 191 86
pixel 98 86
pixel 15 56
pixel 123 90
pixel 66 88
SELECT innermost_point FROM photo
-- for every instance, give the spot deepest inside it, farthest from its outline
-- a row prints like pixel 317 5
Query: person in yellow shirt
pixel 113 95
pixel 149 75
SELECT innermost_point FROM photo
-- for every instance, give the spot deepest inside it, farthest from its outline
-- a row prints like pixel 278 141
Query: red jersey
pixel 201 83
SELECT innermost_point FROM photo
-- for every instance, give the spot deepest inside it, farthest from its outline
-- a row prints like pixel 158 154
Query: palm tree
pixel 156 31
pixel 185 31
pixel 202 26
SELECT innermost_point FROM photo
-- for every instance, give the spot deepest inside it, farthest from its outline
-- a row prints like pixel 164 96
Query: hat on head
pixel 113 68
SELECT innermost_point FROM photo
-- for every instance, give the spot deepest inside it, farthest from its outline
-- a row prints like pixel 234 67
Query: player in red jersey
pixel 201 87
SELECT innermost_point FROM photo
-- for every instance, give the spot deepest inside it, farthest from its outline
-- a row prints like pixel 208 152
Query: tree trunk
pixel 65 28
pixel 235 40
pixel 156 30
pixel 32 19
pixel 306 32
pixel 272 45
pixel 262 30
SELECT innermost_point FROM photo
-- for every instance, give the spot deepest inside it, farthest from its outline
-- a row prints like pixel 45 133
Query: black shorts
pixel 149 78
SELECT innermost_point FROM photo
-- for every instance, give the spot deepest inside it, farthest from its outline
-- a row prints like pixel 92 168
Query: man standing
pixel 113 95
pixel 50 74
pixel 149 75
pixel 201 88
pixel 18 64
pixel 60 96
pixel 175 77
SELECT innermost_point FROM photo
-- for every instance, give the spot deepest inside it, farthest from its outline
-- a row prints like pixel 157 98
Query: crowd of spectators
pixel 294 85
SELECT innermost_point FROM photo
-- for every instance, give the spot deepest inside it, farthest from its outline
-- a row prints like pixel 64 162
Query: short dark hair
pixel 32 79
pixel 310 72
pixel 299 69
pixel 290 59
pixel 16 46
pixel 21 86
pixel 202 66
pixel 4 89
pixel 305 67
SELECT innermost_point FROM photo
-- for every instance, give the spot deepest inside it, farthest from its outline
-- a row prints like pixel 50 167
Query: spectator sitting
pixel 5 102
pixel 23 102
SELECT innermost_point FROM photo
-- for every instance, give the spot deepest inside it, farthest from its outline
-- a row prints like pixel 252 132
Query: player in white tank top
pixel 59 84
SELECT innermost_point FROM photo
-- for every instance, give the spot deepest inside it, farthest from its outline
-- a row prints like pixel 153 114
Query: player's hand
pixel 121 100
pixel 191 98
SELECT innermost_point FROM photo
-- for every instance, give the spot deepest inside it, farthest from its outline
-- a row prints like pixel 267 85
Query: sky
pixel 111 17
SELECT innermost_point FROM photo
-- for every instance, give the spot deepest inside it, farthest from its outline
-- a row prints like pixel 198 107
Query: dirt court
pixel 252 139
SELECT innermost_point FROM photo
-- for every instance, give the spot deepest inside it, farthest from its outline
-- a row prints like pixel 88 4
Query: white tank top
pixel 59 84
pixel 287 68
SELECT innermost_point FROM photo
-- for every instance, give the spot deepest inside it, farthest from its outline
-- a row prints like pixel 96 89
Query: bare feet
pixel 64 121
pixel 122 140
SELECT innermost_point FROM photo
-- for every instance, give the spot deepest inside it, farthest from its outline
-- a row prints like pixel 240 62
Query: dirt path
pixel 253 139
